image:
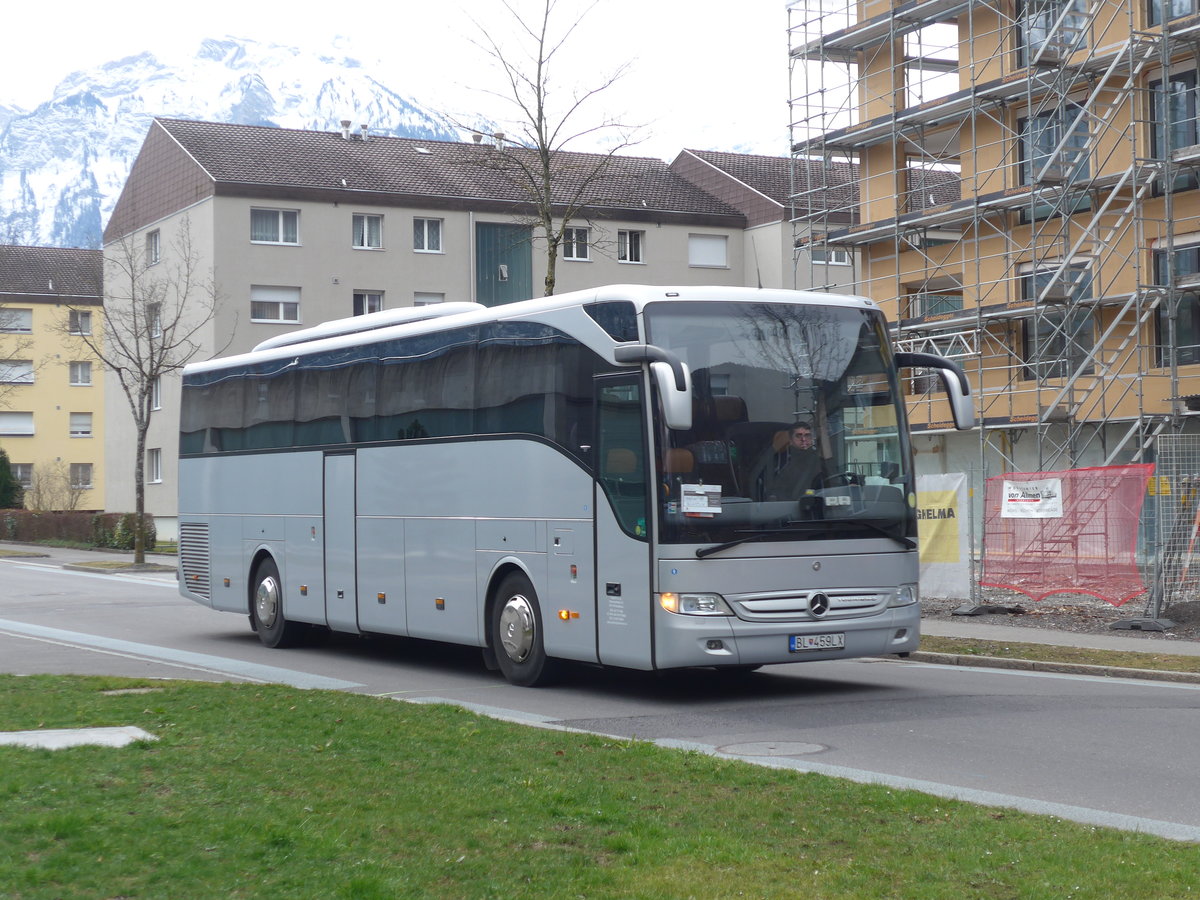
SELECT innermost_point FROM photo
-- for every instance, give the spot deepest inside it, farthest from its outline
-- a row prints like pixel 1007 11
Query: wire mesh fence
pixel 1173 519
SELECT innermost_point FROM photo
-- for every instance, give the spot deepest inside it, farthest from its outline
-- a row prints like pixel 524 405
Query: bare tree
pixel 559 186
pixel 154 315
pixel 53 488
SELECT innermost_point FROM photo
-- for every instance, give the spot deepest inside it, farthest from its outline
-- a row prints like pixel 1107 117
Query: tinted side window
pixel 533 379
pixel 618 318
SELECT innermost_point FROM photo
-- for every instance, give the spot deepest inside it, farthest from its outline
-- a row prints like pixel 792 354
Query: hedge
pixel 111 530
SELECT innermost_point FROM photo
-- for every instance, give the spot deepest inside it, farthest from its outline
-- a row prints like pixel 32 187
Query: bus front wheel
pixel 517 634
pixel 266 609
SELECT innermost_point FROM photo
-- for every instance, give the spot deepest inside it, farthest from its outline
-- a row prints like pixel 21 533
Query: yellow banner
pixel 938 520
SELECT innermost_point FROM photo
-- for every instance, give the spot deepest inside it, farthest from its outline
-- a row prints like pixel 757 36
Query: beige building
pixel 299 227
pixel 1062 269
pixel 51 390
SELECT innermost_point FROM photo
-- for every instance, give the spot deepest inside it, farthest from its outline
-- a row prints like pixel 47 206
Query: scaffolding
pixel 1026 204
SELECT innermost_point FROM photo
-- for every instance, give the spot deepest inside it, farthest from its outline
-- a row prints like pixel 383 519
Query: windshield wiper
pixel 717 548
pixel 806 525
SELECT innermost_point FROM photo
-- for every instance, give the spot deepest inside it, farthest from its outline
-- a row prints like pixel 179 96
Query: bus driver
pixel 798 468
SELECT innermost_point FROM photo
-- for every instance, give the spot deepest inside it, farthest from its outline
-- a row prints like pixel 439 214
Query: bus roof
pixel 350 332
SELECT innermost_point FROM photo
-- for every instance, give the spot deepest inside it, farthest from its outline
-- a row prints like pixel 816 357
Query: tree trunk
pixel 139 491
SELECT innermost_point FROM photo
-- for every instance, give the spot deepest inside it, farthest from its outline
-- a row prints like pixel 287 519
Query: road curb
pixel 1029 665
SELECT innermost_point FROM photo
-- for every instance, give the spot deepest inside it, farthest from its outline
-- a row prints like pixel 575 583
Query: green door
pixel 503 263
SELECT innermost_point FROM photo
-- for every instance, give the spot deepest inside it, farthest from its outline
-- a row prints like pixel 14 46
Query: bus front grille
pixel 194 558
pixel 837 604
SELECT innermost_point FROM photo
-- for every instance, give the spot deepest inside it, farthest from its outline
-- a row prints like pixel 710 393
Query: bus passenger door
pixel 341 582
pixel 624 610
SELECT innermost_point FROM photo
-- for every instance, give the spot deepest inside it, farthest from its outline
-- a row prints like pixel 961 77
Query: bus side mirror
pixel 676 404
pixel 671 377
pixel 954 380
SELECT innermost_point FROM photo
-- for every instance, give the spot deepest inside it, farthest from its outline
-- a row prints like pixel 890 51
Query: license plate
pixel 799 643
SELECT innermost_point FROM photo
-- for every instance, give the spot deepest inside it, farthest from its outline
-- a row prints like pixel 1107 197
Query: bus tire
pixel 266 609
pixel 516 632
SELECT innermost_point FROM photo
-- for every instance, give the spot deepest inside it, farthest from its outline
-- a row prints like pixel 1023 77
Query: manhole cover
pixel 772 748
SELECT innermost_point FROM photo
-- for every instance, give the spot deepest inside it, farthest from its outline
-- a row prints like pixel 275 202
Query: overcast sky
pixel 710 74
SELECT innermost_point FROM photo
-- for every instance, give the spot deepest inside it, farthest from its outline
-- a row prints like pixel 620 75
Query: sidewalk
pixel 111 562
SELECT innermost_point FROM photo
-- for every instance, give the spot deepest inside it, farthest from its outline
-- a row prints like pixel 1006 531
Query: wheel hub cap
pixel 266 601
pixel 517 628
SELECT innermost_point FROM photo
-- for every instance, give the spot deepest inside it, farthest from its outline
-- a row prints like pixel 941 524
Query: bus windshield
pixel 798 428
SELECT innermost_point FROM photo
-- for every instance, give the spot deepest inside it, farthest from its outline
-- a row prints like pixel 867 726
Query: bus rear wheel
pixel 517 639
pixel 266 609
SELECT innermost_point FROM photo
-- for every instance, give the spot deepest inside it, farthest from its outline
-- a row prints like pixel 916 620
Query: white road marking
pixel 183 658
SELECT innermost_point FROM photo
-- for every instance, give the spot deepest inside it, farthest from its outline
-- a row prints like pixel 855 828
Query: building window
pixel 830 256
pixel 367 302
pixel 1169 10
pixel 427 298
pixel 629 246
pixel 79 321
pixel 575 243
pixel 368 232
pixel 81 476
pixel 16 371
pixel 15 320
pixel 1051 282
pixel 154 466
pixel 275 226
pixel 81 373
pixel 269 303
pixel 81 424
pixel 23 474
pixel 1056 344
pixel 1173 110
pixel 1054 145
pixel 933 303
pixel 16 424
pixel 1186 339
pixel 154 319
pixel 156 393
pixel 153 247
pixel 708 251
pixel 427 235
pixel 1051 30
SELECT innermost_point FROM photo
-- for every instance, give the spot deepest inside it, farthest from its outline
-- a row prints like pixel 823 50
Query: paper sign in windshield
pixel 1032 499
pixel 700 499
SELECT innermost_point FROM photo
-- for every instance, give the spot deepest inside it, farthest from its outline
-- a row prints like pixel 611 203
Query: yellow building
pixel 1061 267
pixel 51 390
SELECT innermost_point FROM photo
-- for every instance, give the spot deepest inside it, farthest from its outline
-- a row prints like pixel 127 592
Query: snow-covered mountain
pixel 63 165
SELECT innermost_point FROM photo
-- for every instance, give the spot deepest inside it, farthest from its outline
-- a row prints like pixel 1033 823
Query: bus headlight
pixel 905 595
pixel 695 604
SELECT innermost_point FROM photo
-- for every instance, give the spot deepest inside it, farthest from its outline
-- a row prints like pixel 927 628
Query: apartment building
pixel 761 187
pixel 299 227
pixel 51 389
pixel 1027 204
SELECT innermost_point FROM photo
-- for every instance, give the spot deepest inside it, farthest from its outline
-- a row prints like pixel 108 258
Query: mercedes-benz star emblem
pixel 818 604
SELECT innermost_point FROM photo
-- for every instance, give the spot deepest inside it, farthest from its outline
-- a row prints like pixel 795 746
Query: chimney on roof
pixel 346 129
pixel 477 137
pixel 363 127
pixel 499 136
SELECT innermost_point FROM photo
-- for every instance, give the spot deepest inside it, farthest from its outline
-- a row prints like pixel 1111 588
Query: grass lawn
pixel 1129 659
pixel 267 791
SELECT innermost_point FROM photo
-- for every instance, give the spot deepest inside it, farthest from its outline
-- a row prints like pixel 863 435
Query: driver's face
pixel 802 439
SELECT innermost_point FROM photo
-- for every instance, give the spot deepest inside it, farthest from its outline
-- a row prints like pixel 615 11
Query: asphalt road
pixel 1105 751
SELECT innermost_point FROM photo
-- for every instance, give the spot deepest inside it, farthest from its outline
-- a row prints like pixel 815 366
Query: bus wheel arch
pixel 516 630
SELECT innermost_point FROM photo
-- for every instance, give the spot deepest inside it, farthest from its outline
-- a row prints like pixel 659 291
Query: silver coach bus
pixel 633 476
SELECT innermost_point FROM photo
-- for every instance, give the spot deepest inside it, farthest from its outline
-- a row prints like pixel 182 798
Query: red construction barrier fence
pixel 1065 532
